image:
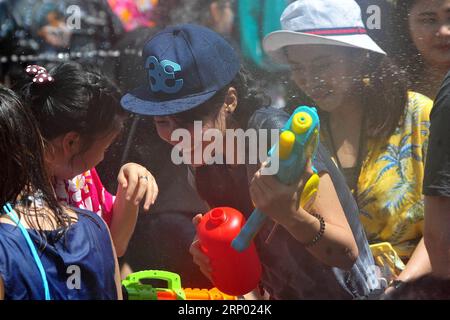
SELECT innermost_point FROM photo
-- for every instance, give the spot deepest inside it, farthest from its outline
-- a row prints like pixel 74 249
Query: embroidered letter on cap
pixel 161 75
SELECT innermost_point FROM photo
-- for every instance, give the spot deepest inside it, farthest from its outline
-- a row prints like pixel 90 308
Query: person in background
pixel 219 15
pixel 421 36
pixel 436 185
pixel 134 13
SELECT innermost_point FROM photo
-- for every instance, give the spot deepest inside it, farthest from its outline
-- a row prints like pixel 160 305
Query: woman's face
pixel 429 26
pixel 327 74
pixel 166 125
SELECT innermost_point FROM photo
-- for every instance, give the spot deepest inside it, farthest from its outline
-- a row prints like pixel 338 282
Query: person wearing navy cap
pixel 193 74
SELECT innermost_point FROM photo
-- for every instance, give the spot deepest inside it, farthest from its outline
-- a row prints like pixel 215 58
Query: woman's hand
pixel 199 257
pixel 335 245
pixel 277 200
pixel 136 182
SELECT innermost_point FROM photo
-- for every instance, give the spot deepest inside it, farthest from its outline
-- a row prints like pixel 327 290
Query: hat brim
pixel 275 41
pixel 136 103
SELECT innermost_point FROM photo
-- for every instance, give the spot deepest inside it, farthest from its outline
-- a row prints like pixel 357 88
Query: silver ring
pixel 143 177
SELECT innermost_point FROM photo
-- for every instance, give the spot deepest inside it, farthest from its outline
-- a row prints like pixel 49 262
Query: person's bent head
pixel 193 74
pixel 78 112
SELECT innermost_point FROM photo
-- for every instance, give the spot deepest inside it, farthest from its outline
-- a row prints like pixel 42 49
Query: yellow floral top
pixel 390 182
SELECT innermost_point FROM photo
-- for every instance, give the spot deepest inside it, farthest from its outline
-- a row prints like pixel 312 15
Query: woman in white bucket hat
pixel 376 130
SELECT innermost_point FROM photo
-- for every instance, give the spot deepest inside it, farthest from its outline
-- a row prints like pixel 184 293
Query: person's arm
pixel 436 184
pixel 117 278
pixel 418 265
pixel 437 233
pixel 2 289
pixel 337 246
pixel 131 190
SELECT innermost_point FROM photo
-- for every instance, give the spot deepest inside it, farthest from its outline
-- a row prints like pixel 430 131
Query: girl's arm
pixel 337 246
pixel 117 278
pixel 131 190
pixel 117 274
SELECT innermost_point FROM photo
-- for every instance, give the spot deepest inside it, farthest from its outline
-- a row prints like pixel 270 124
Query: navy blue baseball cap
pixel 185 66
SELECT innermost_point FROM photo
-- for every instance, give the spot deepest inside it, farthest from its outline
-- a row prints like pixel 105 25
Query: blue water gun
pixel 297 144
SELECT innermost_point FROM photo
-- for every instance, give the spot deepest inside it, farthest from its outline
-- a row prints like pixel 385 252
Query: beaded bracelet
pixel 320 233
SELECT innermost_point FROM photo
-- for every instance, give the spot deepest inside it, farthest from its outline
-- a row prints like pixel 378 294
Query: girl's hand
pixel 199 257
pixel 136 182
pixel 277 200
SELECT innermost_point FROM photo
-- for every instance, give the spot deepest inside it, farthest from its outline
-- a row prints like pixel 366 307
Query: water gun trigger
pixel 309 192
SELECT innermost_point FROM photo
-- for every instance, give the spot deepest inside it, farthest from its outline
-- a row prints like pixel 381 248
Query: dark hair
pixel 81 99
pixel 385 95
pixel 22 168
pixel 250 98
pixel 404 51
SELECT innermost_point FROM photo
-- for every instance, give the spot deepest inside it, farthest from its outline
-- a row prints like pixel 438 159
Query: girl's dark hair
pixel 81 99
pixel 250 98
pixel 384 90
pixel 22 167
pixel 403 49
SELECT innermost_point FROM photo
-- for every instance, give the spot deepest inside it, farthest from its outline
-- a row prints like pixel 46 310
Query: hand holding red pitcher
pixel 232 272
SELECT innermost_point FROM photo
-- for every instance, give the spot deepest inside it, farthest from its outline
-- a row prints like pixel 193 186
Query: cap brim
pixel 134 102
pixel 275 41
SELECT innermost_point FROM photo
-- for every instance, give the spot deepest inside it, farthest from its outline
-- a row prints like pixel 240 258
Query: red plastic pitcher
pixel 234 273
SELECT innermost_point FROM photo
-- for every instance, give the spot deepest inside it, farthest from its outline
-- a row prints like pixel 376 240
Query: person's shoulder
pixel 442 102
pixel 446 83
pixel 86 217
pixel 268 118
pixel 420 104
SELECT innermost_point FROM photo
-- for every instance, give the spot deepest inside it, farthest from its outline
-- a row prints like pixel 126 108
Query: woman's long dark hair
pixel 22 166
pixel 384 90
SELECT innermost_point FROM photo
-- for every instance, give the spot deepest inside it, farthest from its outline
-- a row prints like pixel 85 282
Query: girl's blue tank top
pixel 79 266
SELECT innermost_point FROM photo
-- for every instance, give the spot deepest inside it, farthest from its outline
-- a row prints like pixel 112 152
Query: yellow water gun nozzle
pixel 286 144
pixel 301 122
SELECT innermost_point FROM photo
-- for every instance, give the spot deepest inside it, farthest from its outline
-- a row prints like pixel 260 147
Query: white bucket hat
pixel 325 22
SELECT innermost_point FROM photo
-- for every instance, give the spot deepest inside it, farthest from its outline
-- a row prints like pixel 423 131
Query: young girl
pixel 78 113
pixel 376 130
pixel 421 37
pixel 73 247
pixel 206 83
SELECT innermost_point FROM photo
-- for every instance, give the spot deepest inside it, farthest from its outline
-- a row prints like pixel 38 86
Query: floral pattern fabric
pixel 86 191
pixel 390 182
